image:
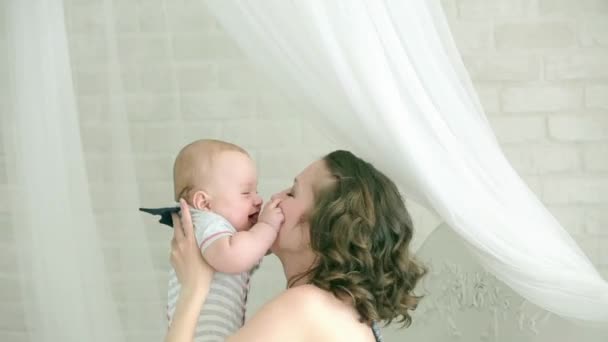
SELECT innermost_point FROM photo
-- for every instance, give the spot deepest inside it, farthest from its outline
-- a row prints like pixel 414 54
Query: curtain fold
pixel 386 80
pixel 78 282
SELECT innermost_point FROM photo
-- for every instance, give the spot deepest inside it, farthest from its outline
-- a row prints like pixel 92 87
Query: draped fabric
pixel 60 235
pixel 386 79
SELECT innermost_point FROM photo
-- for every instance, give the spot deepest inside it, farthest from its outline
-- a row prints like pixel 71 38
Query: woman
pixel 344 247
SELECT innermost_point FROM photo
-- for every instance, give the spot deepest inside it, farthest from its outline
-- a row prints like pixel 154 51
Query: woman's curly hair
pixel 360 231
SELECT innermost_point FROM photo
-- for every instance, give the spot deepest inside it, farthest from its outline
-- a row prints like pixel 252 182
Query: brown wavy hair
pixel 360 231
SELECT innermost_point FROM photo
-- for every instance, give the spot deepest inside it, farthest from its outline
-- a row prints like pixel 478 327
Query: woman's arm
pixel 194 275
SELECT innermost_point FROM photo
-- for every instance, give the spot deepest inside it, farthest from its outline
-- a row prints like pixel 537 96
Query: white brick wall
pixel 540 68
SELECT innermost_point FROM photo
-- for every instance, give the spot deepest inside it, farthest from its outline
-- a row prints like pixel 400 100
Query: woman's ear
pixel 200 200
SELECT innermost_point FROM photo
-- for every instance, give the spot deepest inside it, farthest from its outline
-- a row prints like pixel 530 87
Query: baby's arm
pixel 241 251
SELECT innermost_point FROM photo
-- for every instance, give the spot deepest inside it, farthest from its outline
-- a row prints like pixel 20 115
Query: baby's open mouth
pixel 254 217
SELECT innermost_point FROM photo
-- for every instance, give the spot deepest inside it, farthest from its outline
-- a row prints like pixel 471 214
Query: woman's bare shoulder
pixel 289 316
pixel 325 316
pixel 302 313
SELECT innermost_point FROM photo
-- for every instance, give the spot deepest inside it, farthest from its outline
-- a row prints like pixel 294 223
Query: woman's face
pixel 297 202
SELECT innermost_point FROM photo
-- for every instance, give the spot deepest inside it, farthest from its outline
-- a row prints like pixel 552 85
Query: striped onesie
pixel 223 312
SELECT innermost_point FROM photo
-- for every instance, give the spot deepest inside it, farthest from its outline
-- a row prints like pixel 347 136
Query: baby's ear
pixel 200 200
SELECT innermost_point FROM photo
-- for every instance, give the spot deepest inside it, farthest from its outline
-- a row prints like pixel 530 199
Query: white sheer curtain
pixel 386 79
pixel 69 293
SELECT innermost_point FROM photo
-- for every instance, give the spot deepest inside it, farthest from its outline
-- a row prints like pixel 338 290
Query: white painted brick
pixel 534 183
pixel 87 18
pixel 577 67
pixel 10 288
pixel 503 68
pixel 106 196
pixel 596 96
pixel 151 18
pixel 156 193
pixel 88 49
pixel 595 157
pixel 472 36
pixel 136 316
pixel 280 163
pixel 575 190
pixel 125 17
pixel 13 336
pixel 603 269
pixel 594 247
pixel 127 286
pixel 6 197
pixel 541 98
pixel 155 137
pixel 578 128
pixel 157 79
pixel 488 95
pixel 148 48
pixel 92 109
pixel 218 105
pixel 244 77
pixel 90 82
pixel 109 168
pixel 190 17
pixel 6 226
pixel 3 169
pixel 596 220
pixel 274 104
pixel 449 8
pixel 273 133
pixel 155 168
pixel 519 129
pixel 571 218
pixel 242 132
pixel 207 130
pixel 594 31
pixel 534 35
pixel 197 78
pixel 8 260
pixel 544 158
pixel 95 138
pixel 4 85
pixel 145 336
pixel 203 47
pixel 482 9
pixel 570 7
pixel 12 317
pixel 146 107
pixel 112 237
pixel 317 141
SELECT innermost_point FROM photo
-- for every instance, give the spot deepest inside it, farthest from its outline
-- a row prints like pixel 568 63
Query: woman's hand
pixel 193 272
pixel 194 275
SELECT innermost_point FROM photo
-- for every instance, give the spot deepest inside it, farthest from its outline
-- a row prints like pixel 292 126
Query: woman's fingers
pixel 186 225
pixel 178 231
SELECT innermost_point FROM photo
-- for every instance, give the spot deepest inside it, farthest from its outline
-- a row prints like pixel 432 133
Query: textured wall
pixel 540 68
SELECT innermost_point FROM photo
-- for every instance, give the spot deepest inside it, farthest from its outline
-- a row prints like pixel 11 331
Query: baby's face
pixel 234 189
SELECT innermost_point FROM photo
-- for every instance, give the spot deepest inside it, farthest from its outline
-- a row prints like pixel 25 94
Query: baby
pixel 219 182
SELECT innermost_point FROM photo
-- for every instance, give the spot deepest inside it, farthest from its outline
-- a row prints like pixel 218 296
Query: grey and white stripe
pixel 223 312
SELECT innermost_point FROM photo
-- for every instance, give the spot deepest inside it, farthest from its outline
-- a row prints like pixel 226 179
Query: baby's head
pixel 218 176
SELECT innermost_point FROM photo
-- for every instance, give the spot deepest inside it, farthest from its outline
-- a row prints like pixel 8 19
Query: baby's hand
pixel 271 214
